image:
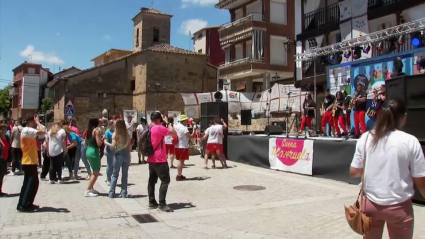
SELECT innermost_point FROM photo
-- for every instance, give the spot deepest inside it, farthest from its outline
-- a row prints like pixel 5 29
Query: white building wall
pixel 256 10
pixel 200 43
pixel 30 92
pixel 298 30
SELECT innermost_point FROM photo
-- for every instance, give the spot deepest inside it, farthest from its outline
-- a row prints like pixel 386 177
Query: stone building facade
pixel 129 82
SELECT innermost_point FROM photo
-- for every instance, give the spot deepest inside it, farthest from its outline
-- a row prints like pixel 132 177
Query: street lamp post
pixel 157 88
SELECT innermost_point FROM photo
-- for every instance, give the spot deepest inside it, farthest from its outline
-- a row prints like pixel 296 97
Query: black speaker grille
pixel 415 91
pixel 414 123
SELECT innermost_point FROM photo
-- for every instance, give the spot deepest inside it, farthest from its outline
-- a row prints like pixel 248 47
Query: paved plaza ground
pixel 206 206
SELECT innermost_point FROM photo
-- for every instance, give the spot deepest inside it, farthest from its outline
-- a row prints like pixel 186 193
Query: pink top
pixel 158 132
pixel 75 129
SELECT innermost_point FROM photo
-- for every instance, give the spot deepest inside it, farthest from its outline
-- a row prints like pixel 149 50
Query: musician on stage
pixel 379 97
pixel 347 111
pixel 360 110
pixel 339 117
pixel 308 113
pixel 326 112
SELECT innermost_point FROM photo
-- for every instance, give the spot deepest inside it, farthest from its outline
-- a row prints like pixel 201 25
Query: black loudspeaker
pixel 246 117
pixel 211 110
pixel 410 89
pixel 273 130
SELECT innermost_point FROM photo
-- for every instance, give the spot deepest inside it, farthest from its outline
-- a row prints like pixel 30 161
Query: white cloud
pixel 39 56
pixel 192 26
pixel 202 3
pixel 107 37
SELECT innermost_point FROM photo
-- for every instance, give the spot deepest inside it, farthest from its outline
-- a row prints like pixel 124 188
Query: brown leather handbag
pixel 357 220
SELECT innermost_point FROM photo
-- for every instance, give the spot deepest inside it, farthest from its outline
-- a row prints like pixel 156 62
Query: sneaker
pixel 52 182
pixel 123 196
pixel 180 178
pixel 95 191
pixel 88 177
pixel 90 193
pixel 153 205
pixel 165 208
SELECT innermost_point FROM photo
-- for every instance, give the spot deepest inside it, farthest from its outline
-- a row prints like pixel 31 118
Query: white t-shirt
pixel 140 128
pixel 181 130
pixel 168 139
pixel 45 130
pixel 214 133
pixel 130 131
pixel 55 143
pixel 390 167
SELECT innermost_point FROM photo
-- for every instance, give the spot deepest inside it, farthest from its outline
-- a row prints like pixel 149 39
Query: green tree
pixel 46 103
pixel 5 102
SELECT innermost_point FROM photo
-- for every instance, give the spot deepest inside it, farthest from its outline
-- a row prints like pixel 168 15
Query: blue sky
pixel 70 33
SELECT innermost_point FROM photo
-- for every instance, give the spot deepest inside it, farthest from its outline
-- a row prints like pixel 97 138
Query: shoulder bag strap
pixel 361 194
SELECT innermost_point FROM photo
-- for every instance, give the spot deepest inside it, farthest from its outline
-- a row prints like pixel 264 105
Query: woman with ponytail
pixel 391 162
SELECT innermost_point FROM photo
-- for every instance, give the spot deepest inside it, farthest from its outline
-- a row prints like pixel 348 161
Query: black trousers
pixel 46 165
pixel 55 172
pixel 16 159
pixel 161 171
pixel 3 171
pixel 29 187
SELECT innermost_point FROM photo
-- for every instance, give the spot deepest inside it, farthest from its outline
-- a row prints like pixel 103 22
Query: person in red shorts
pixel 214 146
pixel 182 147
pixel 326 111
pixel 169 146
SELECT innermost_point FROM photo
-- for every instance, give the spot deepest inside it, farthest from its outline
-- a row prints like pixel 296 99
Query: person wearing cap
pixel 182 147
pixel 326 111
pixel 359 109
pixel 158 165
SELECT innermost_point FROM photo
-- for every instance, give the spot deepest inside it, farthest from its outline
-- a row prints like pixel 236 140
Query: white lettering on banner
pixel 189 99
pixel 291 155
pixel 204 97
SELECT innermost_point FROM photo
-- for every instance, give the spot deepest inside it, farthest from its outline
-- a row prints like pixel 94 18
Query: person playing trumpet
pixel 326 112
pixel 360 110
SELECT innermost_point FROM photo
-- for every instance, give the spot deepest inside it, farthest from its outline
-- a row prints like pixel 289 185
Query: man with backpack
pixel 152 145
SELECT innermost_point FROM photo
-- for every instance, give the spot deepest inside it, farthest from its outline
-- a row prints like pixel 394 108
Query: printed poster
pixel 291 155
pixel 132 113
pixel 189 99
pixel 204 97
pixel 192 111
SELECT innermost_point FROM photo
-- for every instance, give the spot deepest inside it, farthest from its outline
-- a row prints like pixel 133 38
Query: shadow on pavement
pixel 178 206
pixel 71 182
pixel 52 209
pixel 197 179
pixel 128 184
pixel 11 195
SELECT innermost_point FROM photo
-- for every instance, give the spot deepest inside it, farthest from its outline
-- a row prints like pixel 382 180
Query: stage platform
pixel 324 157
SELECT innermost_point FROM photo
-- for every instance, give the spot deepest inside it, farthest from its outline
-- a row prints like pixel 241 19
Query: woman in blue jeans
pixel 122 146
pixel 109 150
pixel 80 153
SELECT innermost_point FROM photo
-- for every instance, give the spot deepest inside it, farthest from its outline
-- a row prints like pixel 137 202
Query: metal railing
pixel 308 67
pixel 373 4
pixel 241 61
pixel 250 17
pixel 321 17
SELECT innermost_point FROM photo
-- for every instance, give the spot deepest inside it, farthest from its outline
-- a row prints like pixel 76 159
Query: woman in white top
pixel 57 149
pixel 394 162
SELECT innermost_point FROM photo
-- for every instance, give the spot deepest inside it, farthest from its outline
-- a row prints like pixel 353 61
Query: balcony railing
pixel 250 17
pixel 330 15
pixel 236 62
pixel 321 17
pixel 13 91
pixel 308 67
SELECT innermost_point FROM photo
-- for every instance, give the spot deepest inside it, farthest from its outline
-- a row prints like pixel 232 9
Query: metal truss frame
pixel 401 29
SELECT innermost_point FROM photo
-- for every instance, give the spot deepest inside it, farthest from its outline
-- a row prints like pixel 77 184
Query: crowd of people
pixel 26 145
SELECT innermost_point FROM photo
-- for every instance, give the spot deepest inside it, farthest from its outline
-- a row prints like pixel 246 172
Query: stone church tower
pixel 151 27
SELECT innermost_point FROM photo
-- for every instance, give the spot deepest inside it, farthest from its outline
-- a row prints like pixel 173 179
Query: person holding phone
pixel 29 189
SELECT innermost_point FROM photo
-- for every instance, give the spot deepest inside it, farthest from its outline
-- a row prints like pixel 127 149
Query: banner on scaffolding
pixel 279 99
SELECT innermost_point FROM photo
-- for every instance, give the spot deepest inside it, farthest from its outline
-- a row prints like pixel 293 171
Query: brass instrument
pixel 334 108
pixel 351 105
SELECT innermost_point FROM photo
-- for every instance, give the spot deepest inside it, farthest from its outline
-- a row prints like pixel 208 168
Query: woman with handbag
pixel 390 162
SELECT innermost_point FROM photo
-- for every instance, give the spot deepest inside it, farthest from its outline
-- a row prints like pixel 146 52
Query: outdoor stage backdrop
pixel 278 100
pixel 291 155
pixel 373 72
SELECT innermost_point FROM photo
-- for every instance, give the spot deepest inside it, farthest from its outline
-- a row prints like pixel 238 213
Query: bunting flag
pixel 344 10
pixel 360 26
pixel 358 8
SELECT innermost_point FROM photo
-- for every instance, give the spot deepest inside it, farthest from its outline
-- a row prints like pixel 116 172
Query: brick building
pixel 256 43
pixel 129 82
pixel 207 41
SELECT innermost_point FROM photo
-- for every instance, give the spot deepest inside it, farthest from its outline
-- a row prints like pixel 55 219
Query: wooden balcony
pixel 241 27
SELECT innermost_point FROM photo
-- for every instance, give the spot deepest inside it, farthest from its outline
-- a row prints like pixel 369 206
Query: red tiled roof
pixel 171 49
pixel 153 11
pixel 72 67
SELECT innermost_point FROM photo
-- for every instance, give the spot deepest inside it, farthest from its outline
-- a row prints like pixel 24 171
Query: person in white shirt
pixel 182 147
pixel 215 143
pixel 139 130
pixel 169 146
pixel 392 161
pixel 129 124
pixel 57 149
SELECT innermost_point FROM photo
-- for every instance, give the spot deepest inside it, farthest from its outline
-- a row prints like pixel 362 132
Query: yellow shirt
pixel 29 146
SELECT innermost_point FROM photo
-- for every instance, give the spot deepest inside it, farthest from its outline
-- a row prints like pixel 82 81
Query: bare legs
pixel 180 164
pixel 171 157
pixel 92 180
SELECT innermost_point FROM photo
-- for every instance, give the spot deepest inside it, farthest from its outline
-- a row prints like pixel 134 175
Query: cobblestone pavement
pixel 206 206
